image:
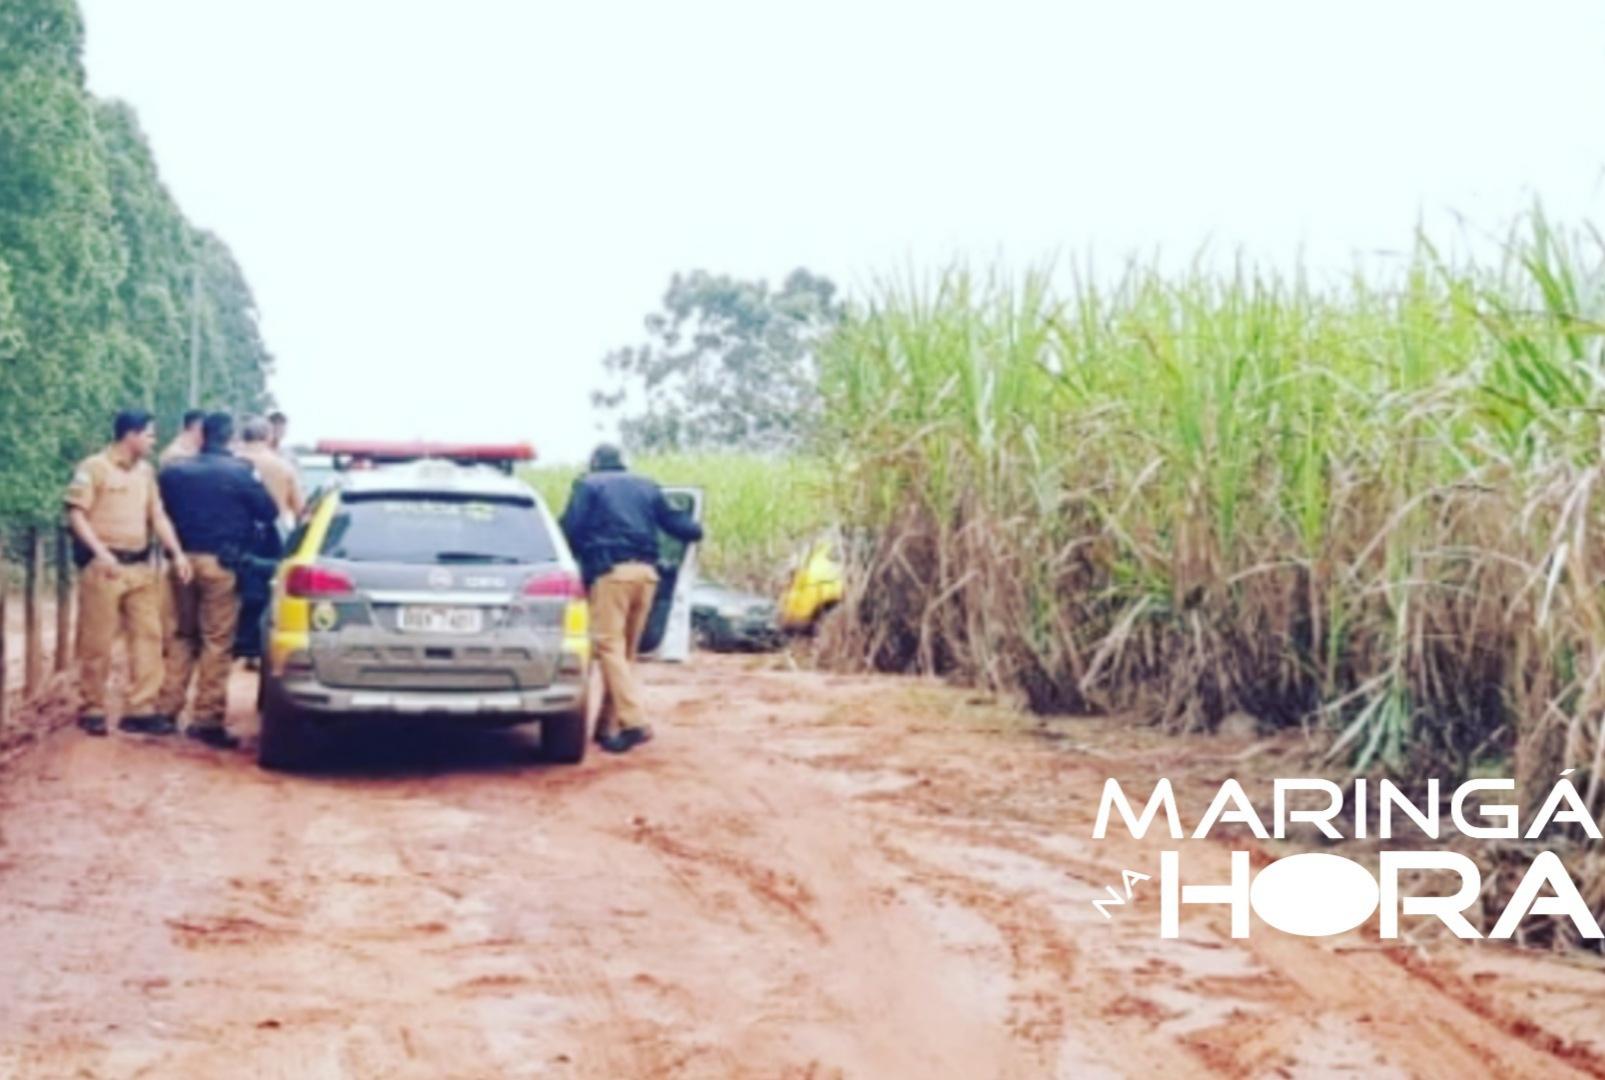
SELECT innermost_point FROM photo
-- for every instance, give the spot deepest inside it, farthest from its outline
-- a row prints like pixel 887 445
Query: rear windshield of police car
pixel 438 530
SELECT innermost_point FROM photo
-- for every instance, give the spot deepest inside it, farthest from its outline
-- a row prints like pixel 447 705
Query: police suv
pixel 427 583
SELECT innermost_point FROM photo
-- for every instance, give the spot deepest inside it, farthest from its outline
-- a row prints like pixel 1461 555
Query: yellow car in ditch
pixel 815 587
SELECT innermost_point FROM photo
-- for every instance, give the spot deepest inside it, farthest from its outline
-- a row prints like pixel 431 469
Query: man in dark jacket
pixel 218 506
pixel 612 522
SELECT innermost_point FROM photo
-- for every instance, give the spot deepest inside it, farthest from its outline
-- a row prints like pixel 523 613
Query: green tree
pixel 11 339
pixel 96 271
pixel 46 33
pixel 155 291
pixel 65 258
pixel 729 364
pixel 164 252
pixel 235 362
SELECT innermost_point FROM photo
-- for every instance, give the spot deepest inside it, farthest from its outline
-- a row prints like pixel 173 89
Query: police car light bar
pixel 346 451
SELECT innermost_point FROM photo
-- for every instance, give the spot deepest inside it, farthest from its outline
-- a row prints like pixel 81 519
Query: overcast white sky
pixel 450 212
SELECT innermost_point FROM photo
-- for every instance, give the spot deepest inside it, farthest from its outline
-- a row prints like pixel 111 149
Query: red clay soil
pixel 803 876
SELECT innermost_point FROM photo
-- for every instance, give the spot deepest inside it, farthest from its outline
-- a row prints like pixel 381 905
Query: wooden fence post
pixel 63 602
pixel 33 642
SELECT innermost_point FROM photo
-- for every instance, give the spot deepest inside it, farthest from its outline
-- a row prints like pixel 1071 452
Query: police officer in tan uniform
pixel 280 425
pixel 254 581
pixel 187 443
pixel 113 508
pixel 275 472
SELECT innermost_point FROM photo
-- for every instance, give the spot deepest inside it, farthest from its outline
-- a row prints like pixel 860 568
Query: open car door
pixel 668 627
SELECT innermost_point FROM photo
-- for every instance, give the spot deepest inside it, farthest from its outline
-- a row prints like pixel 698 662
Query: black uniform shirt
pixel 614 516
pixel 216 502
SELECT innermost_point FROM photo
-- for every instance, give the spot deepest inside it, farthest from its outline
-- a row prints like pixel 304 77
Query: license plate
pixel 430 619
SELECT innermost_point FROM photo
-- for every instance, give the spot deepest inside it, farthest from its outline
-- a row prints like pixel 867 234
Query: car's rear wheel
pixel 565 737
pixel 288 740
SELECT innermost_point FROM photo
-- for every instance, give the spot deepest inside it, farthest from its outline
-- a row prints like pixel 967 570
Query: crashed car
pixel 730 620
pixel 815 587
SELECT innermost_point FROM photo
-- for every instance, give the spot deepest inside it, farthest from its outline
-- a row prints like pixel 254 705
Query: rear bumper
pixel 723 634
pixel 484 707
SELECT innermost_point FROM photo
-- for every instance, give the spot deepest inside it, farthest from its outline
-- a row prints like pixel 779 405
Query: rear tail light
pixel 317 583
pixel 555 584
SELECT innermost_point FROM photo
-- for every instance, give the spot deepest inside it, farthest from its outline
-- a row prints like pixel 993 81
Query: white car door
pixel 668 630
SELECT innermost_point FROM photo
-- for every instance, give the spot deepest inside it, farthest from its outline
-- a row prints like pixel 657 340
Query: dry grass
pixel 1371 510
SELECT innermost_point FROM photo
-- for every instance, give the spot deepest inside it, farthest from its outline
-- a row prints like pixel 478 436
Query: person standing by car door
pixel 612 523
pixel 277 475
pixel 113 508
pixel 254 575
pixel 218 504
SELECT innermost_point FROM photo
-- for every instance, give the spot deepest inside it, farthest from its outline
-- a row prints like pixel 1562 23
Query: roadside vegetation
pixel 1370 510
pixel 760 510
pixel 103 281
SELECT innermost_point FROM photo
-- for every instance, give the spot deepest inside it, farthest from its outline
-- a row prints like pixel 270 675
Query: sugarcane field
pixel 1093 566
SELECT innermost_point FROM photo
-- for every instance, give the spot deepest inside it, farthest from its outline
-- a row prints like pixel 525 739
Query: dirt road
pixel 804 876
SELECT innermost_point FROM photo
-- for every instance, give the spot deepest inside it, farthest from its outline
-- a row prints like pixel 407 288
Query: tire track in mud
pixel 804 876
pixel 779 890
pixel 1273 1022
pixel 1572 1054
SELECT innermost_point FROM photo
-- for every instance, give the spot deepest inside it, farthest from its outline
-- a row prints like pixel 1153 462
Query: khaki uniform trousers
pixel 126 599
pixel 203 618
pixel 620 600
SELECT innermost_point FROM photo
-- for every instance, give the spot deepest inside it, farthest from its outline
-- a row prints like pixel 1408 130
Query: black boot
pixel 616 743
pixel 213 735
pixel 148 724
pixel 92 724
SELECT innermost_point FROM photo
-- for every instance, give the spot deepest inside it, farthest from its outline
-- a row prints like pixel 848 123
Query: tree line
pixel 729 364
pixel 102 278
